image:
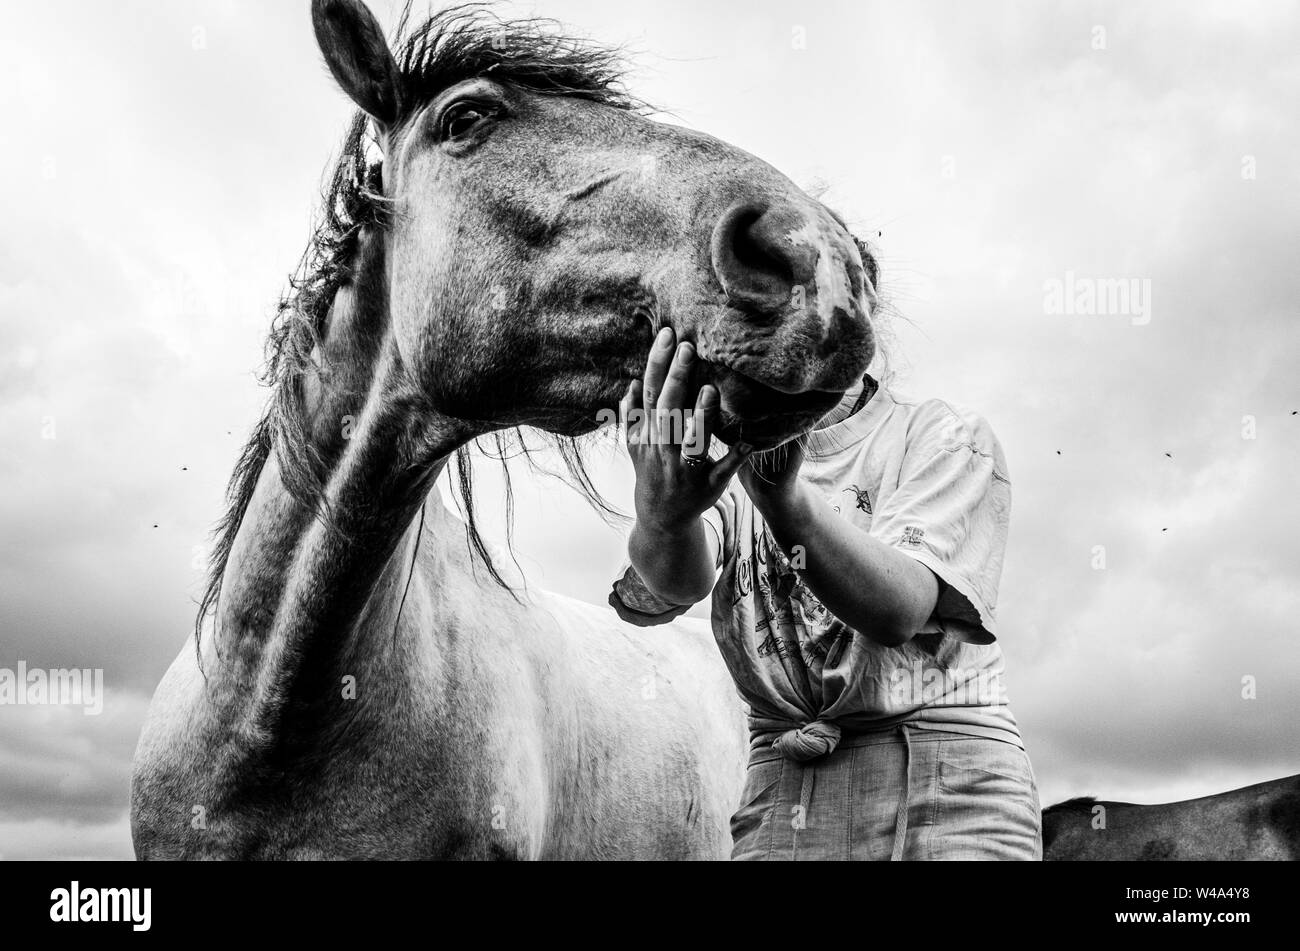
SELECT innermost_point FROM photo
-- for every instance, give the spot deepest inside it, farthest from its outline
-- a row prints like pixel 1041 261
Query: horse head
pixel 544 229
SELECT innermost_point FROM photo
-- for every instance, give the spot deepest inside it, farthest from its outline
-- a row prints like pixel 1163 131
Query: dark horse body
pixel 1255 822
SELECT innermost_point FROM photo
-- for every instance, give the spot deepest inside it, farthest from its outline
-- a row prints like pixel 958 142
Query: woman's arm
pixel 678 564
pixel 870 586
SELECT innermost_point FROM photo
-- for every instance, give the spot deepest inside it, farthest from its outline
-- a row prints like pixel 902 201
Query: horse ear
pixel 357 54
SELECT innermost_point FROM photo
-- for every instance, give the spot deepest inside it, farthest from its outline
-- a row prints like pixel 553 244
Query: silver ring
pixel 693 461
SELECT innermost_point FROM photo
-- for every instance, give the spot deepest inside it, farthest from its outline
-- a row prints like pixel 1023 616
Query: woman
pixel 854 609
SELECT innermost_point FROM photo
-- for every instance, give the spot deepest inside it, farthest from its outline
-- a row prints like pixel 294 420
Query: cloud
pixel 49 838
pixel 67 767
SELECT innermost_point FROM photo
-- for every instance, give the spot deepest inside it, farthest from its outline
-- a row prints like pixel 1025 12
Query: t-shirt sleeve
pixel 951 512
pixel 637 604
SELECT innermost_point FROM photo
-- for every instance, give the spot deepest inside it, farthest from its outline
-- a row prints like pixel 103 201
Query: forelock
pixel 470 41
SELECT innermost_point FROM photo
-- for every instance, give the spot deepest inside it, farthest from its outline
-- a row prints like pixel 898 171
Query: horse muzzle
pixel 797 314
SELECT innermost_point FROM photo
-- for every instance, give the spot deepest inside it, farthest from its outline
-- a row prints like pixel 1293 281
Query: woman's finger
pixel 677 395
pixel 702 423
pixel 656 371
pixel 631 413
pixel 656 368
pixel 726 467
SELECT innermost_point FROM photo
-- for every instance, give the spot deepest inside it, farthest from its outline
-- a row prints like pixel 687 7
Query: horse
pixel 1254 822
pixel 505 231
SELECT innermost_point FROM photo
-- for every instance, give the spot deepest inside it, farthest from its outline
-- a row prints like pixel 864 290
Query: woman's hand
pixel 670 423
pixel 771 480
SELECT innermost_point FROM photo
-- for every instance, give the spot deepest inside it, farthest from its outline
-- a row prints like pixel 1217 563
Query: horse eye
pixel 460 120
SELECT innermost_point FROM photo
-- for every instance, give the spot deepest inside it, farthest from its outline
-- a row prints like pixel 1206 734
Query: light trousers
pixel 907 793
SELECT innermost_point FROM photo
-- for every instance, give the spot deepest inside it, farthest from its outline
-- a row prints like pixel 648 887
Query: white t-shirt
pixel 925 478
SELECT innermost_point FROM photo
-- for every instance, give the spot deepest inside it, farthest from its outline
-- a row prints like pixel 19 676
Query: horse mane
pixel 449 47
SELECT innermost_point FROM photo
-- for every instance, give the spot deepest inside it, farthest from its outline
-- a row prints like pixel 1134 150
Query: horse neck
pixel 308 585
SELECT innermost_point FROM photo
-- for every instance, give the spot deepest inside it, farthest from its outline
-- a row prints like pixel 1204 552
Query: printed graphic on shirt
pixel 913 537
pixel 785 604
pixel 765 607
pixel 861 499
pixel 819 628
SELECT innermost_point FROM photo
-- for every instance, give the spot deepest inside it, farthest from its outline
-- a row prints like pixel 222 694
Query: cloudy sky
pixel 160 183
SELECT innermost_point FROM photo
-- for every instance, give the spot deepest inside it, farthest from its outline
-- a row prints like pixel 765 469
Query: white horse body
pixel 543 729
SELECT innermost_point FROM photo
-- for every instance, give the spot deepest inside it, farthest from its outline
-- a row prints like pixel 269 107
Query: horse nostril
pixel 758 250
pixel 753 257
